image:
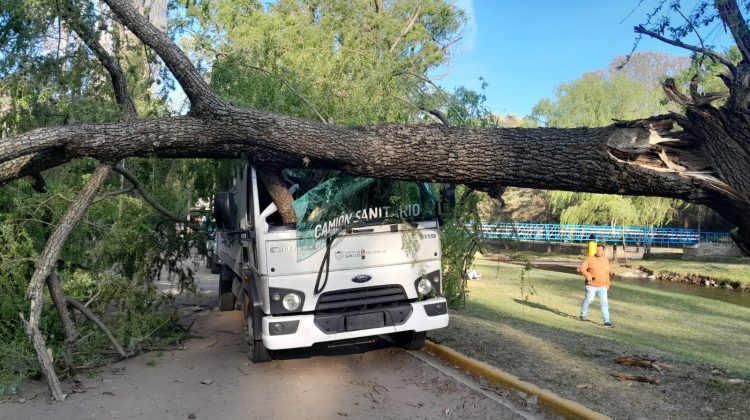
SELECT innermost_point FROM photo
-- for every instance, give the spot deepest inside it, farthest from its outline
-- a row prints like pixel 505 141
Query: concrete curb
pixel 566 408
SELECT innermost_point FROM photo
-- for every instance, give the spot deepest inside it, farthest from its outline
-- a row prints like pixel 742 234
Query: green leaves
pixel 340 59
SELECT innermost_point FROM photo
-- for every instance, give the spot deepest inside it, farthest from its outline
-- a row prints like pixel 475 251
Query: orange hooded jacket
pixel 596 271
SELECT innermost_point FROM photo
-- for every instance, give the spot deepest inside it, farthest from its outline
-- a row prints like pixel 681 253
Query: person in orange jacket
pixel 596 270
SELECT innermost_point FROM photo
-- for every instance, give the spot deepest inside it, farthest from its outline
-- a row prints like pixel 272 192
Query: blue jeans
pixel 601 292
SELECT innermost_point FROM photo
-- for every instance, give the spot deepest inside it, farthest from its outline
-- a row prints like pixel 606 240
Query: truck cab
pixel 362 259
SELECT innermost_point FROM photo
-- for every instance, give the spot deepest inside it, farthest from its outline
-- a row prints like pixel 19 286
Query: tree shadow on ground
pixel 546 308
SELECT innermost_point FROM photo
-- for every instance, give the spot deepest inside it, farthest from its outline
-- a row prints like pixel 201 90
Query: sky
pixel 524 49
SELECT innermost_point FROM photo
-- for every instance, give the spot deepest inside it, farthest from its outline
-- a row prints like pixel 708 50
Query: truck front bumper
pixel 302 330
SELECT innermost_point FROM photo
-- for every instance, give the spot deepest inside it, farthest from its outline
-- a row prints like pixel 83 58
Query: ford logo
pixel 362 278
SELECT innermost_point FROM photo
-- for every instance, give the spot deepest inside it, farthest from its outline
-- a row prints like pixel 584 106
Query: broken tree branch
pixel 44 268
pixel 95 319
pixel 71 335
pixel 113 193
pixel 279 194
pixel 197 90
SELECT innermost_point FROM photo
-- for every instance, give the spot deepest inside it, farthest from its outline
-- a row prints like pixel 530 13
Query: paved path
pixel 211 378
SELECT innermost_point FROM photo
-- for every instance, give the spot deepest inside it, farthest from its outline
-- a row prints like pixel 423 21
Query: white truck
pixel 362 260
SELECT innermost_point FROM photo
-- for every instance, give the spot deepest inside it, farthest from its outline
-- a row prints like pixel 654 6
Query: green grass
pixel 724 271
pixel 685 328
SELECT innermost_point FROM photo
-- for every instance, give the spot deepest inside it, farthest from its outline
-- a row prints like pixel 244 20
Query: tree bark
pixel 625 158
pixel 71 335
pixel 279 194
pixel 44 268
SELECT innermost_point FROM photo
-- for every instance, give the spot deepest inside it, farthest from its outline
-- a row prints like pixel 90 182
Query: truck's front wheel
pixel 410 340
pixel 258 352
pixel 215 267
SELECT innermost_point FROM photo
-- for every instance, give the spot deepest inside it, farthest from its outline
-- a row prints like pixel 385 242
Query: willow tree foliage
pixel 629 89
pixel 337 61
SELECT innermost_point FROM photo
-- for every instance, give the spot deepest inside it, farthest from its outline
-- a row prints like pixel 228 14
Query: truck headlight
pixel 424 286
pixel 291 302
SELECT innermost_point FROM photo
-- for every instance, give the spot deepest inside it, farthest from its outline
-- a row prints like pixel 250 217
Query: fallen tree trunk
pixel 701 157
pixel 625 158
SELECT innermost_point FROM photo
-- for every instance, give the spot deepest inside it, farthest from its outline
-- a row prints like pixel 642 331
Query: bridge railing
pixel 631 235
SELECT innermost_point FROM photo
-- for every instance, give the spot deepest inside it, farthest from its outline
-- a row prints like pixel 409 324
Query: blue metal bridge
pixel 630 235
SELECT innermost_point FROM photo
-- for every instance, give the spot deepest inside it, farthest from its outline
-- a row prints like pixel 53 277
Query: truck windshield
pixel 344 201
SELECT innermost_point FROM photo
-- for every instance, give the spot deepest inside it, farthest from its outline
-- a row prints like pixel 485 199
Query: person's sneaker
pixel 581 318
pixel 609 325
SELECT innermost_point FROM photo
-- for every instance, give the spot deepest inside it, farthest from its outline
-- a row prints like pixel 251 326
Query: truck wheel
pixel 410 340
pixel 208 261
pixel 215 267
pixel 258 352
pixel 226 296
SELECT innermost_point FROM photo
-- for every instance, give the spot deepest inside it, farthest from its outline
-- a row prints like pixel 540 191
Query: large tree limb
pixel 54 245
pixel 117 76
pixel 732 17
pixel 521 157
pixel 509 156
pixel 46 264
pixel 196 89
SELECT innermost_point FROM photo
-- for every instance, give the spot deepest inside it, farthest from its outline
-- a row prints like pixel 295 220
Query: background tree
pixel 629 89
pixel 337 61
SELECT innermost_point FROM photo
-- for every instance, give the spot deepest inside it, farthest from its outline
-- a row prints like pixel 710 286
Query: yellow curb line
pixel 567 408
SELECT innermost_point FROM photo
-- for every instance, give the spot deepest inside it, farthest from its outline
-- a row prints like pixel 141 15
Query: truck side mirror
pixel 225 210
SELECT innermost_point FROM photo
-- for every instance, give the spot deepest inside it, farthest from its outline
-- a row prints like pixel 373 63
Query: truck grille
pixel 362 297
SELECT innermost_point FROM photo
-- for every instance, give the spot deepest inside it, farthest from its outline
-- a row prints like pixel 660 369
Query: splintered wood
pixel 643 362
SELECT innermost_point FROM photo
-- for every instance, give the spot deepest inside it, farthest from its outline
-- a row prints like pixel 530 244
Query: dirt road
pixel 212 378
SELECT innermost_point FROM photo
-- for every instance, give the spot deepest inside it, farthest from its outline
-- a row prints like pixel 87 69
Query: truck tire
pixel 209 261
pixel 410 340
pixel 258 353
pixel 226 296
pixel 215 267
